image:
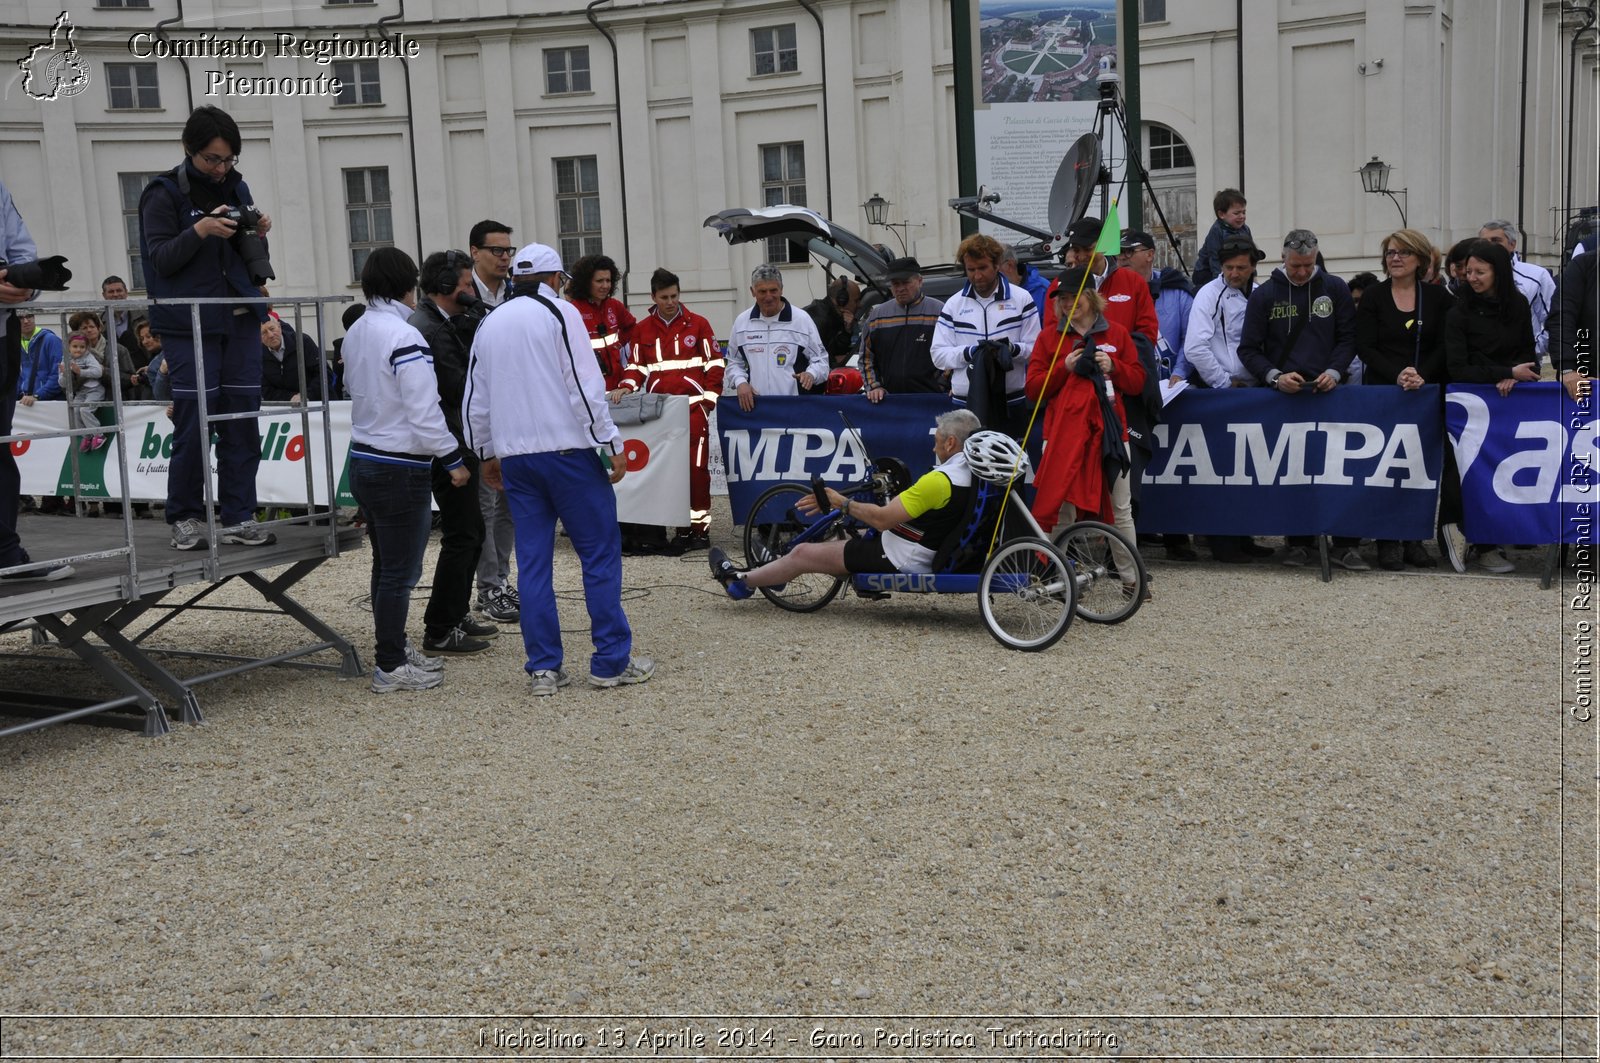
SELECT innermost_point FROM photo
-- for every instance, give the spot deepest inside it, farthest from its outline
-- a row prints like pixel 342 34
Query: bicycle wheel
pixel 769 533
pixel 1027 595
pixel 1106 595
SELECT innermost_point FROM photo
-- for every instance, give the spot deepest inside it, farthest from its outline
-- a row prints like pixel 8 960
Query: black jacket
pixel 1483 340
pixel 1388 341
pixel 1572 320
pixel 280 381
pixel 450 340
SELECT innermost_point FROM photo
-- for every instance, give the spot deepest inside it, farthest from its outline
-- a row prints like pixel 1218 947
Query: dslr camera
pixel 246 218
pixel 247 241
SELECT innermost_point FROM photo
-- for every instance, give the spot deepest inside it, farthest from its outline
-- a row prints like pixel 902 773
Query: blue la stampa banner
pixel 1247 461
pixel 788 438
pixel 1527 463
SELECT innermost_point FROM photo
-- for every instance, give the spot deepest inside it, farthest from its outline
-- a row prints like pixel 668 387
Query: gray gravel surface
pixel 1280 816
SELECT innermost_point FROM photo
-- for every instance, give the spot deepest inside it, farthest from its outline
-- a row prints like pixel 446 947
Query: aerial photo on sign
pixel 1039 51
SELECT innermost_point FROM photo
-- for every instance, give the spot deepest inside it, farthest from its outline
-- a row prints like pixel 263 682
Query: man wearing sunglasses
pixel 192 248
pixel 490 246
pixel 1299 337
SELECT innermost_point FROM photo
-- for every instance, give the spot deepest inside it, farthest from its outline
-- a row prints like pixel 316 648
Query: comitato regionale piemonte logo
pixel 55 70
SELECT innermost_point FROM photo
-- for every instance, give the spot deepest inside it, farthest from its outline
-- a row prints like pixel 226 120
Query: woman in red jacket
pixel 1082 385
pixel 610 325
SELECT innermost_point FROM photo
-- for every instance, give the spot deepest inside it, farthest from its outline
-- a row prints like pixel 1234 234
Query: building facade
pixel 622 125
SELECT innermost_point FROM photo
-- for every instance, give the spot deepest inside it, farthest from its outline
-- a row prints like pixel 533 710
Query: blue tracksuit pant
pixel 571 485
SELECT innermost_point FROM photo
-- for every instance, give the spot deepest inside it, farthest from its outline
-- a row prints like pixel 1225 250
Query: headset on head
pixel 841 292
pixel 442 280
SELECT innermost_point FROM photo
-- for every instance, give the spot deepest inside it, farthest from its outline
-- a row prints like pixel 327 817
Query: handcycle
pixel 1029 588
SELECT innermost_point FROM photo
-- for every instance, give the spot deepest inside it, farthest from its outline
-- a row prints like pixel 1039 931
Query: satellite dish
pixel 1074 183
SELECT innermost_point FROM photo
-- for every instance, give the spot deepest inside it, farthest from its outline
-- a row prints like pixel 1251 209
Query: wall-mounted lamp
pixel 877 209
pixel 1375 179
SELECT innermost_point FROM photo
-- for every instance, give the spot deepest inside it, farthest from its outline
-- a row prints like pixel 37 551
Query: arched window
pixel 1172 176
pixel 1167 149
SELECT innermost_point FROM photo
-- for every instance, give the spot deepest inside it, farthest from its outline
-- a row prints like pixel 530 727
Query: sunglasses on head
pixel 1307 243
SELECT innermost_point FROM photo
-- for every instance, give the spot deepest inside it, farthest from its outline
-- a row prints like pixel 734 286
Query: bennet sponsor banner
pixel 655 491
pixel 1527 463
pixel 48 465
pixel 788 438
pixel 1354 461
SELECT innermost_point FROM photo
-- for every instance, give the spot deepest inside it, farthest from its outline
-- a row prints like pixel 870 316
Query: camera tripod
pixel 1111 107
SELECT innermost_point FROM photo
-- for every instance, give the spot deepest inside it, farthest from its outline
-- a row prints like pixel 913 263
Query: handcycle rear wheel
pixel 1106 595
pixel 769 532
pixel 1027 595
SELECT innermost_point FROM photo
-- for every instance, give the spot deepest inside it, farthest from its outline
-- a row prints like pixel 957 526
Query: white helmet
pixel 995 456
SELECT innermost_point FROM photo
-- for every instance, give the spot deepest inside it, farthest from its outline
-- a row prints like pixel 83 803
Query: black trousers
pixel 460 541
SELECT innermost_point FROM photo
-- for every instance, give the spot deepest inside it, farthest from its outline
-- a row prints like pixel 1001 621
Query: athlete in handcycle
pixel 941 534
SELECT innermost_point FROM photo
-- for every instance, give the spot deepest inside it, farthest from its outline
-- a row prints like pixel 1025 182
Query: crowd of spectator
pixel 1477 312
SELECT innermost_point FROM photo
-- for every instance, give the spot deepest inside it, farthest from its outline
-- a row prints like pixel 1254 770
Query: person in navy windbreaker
pixel 191 250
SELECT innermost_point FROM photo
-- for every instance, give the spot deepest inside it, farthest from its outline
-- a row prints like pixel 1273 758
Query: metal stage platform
pixel 124 592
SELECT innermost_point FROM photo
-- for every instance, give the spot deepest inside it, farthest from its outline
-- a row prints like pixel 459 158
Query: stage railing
pixel 61 312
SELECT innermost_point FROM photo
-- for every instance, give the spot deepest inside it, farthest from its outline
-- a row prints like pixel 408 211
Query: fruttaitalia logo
pixel 55 70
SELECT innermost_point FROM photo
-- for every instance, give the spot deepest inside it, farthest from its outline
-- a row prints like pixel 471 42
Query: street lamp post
pixel 877 209
pixel 1375 179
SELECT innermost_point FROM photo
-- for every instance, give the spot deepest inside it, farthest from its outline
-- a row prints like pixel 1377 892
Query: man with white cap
pixel 535 411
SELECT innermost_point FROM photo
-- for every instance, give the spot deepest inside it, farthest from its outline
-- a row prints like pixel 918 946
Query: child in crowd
pixel 1229 206
pixel 81 379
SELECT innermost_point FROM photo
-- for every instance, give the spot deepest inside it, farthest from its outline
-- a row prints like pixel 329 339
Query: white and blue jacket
pixel 1009 313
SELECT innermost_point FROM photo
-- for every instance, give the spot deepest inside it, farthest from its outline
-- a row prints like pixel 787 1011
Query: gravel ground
pixel 1267 816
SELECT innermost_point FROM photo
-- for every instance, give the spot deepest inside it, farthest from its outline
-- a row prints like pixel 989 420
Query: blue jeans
pixel 573 486
pixel 395 500
pixel 233 385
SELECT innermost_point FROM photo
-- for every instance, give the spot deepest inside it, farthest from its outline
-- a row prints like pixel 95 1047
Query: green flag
pixel 1110 242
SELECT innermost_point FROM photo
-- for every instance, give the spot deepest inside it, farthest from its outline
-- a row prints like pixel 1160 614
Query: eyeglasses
pixel 1306 243
pixel 1399 252
pixel 499 252
pixel 209 159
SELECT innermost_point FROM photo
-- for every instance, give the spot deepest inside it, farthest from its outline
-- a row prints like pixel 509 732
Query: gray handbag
pixel 637 408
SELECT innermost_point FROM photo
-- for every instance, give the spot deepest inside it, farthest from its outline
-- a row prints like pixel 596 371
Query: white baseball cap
pixel 535 259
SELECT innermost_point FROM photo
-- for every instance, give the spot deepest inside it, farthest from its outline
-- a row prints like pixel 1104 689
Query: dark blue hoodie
pixel 1328 340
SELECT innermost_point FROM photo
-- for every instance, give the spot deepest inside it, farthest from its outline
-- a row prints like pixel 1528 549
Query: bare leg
pixel 826 558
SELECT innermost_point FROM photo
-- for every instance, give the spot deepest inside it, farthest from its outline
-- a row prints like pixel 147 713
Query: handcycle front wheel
pixel 769 533
pixel 1027 595
pixel 1106 594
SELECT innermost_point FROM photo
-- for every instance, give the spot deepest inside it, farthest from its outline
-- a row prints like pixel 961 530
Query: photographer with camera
pixel 20 277
pixel 200 236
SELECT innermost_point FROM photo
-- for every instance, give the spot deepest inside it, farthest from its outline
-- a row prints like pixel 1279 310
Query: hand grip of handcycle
pixel 819 491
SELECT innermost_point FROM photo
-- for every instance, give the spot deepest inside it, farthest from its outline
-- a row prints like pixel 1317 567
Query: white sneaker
pixel 405 677
pixel 547 682
pixel 417 659
pixel 639 670
pixel 1453 546
pixel 1495 561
